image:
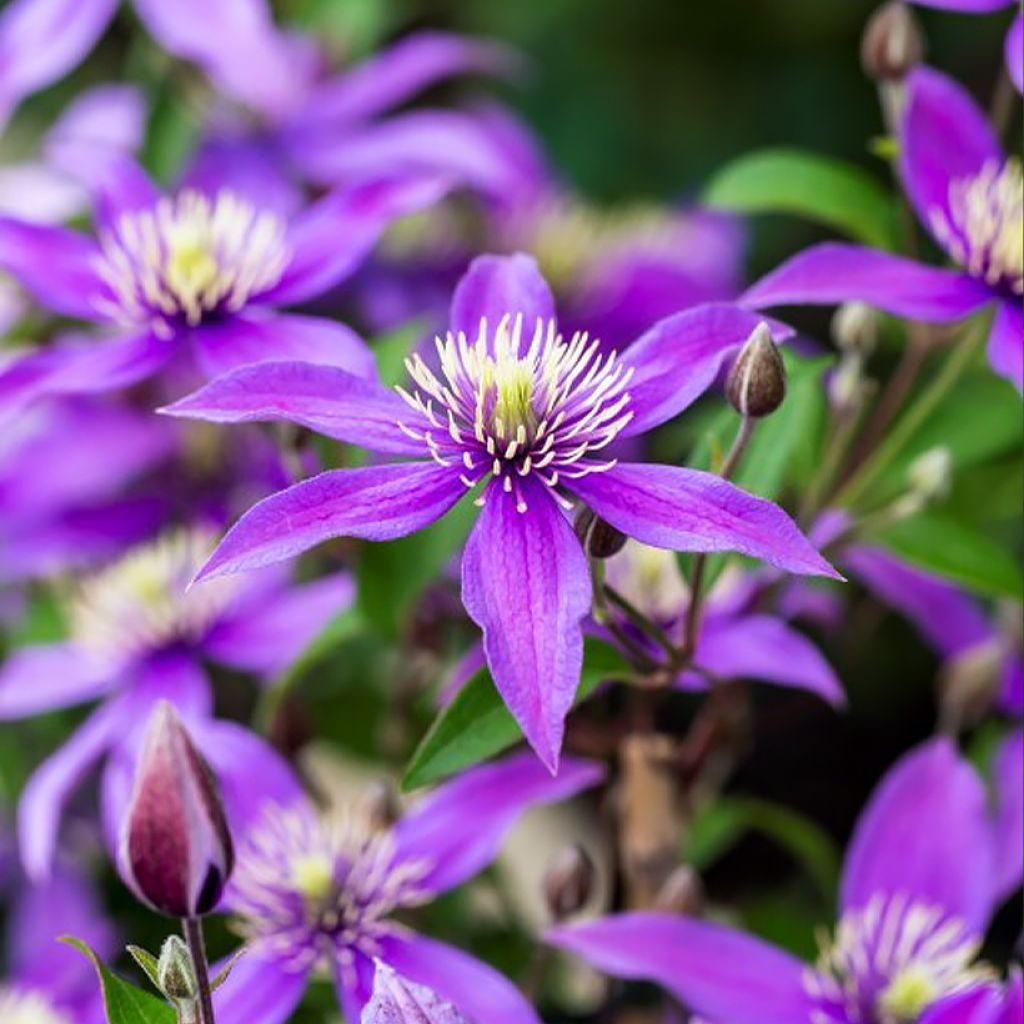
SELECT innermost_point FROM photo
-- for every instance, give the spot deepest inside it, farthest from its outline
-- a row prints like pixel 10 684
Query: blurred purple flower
pixel 917 892
pixel 523 413
pixel 138 637
pixel 969 194
pixel 313 893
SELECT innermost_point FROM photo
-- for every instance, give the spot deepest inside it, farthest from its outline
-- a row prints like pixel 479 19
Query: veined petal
pixel 400 1001
pixel 238 341
pixel 496 286
pixel 493 796
pixel 373 502
pixel 259 988
pixel 925 834
pixel 834 272
pixel 525 584
pixel 1008 783
pixel 46 677
pixel 323 398
pixel 687 510
pixel 676 361
pixel 1006 342
pixel 715 971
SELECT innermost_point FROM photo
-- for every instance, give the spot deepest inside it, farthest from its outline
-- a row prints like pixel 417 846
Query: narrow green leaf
pixel 149 963
pixel 125 1004
pixel 828 191
pixel 476 725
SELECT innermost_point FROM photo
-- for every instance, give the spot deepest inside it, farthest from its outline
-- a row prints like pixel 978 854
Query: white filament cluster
pixel 187 257
pixel 890 960
pixel 508 408
pixel 141 602
pixel 984 230
pixel 26 1007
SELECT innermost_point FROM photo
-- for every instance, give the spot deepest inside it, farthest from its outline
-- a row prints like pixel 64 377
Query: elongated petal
pixel 525 584
pixel 497 286
pixel 112 116
pixel 42 40
pixel 834 272
pixel 979 1005
pixel 476 989
pixel 493 796
pixel 925 833
pixel 687 510
pixel 244 341
pixel 1006 342
pixel 374 503
pixel 266 637
pixel 1008 782
pixel 45 677
pixel 1015 52
pixel 259 988
pixel 769 649
pixel 676 361
pixel 331 238
pixel 399 1001
pixel 323 398
pixel 944 137
pixel 718 972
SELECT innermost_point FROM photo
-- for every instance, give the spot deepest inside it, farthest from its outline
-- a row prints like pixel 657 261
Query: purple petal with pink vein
pixel 372 502
pixel 687 510
pixel 834 272
pixel 496 286
pixel 322 398
pixel 1006 342
pixel 525 583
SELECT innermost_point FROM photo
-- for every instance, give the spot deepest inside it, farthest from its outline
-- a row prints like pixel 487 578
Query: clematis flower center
pixel 510 406
pixel 890 961
pixel 140 603
pixel 984 229
pixel 188 258
pixel 28 1008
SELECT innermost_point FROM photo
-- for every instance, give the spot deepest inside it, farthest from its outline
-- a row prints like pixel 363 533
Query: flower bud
pixel 931 474
pixel 756 384
pixel 855 328
pixel 892 44
pixel 599 539
pixel 970 682
pixel 682 892
pixel 569 882
pixel 177 848
pixel 176 976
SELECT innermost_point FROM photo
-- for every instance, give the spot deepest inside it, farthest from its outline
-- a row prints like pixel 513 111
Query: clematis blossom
pixel 523 418
pixel 917 892
pixel 969 195
pixel 311 893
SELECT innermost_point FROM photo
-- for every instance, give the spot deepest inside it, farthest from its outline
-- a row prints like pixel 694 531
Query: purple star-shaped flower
pixel 969 195
pixel 525 418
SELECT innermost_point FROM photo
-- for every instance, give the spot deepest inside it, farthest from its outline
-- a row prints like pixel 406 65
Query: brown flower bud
pixel 969 683
pixel 892 43
pixel 855 328
pixel 599 539
pixel 569 882
pixel 177 849
pixel 682 892
pixel 756 384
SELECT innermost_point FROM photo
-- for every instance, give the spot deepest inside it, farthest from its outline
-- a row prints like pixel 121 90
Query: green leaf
pixel 125 1004
pixel 149 963
pixel 476 725
pixel 955 551
pixel 828 191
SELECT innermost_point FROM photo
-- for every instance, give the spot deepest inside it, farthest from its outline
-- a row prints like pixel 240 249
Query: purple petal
pixel 479 991
pixel 41 40
pixel 1015 52
pixel 769 649
pixel 977 1006
pixel 374 503
pixel 37 192
pixel 715 971
pixel 43 678
pixel 322 398
pixel 676 361
pixel 834 272
pixel 944 137
pixel 687 510
pixel 925 834
pixel 496 286
pixel 525 583
pixel 330 239
pixel 267 637
pixel 398 1001
pixel 493 797
pixel 112 116
pixel 261 989
pixel 970 6
pixel 1011 687
pixel 1006 342
pixel 1008 781
pixel 246 340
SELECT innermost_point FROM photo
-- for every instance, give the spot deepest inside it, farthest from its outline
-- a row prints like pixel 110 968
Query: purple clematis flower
pixel 313 893
pixel 917 892
pixel 137 637
pixel 969 194
pixel 524 417
pixel 199 272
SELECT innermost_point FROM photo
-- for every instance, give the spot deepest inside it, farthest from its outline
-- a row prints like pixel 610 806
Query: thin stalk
pixel 193 930
pixel 641 621
pixel 641 659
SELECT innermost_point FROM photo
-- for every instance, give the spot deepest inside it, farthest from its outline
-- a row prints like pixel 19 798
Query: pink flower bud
pixel 177 848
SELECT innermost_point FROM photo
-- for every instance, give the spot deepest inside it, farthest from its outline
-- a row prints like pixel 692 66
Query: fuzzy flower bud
pixel 682 892
pixel 176 976
pixel 892 44
pixel 756 384
pixel 970 682
pixel 176 847
pixel 855 328
pixel 599 539
pixel 569 882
